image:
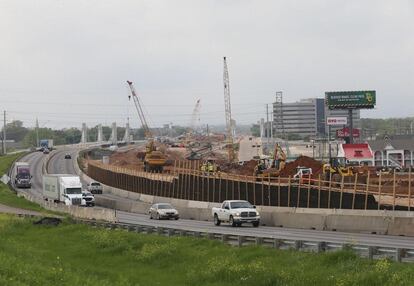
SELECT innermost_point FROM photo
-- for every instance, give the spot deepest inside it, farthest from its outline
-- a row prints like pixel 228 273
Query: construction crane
pixel 227 104
pixel 154 160
pixel 194 115
pixel 138 106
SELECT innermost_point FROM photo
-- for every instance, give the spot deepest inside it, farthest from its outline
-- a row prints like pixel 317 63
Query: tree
pixel 15 131
pixel 255 130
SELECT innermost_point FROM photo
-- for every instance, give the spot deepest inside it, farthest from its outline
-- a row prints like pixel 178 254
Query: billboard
pixel 344 133
pixel 335 120
pixel 350 99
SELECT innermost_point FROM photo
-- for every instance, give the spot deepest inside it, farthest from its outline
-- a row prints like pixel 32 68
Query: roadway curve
pixel 58 164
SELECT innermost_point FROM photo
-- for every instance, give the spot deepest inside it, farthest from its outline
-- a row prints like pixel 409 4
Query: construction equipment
pixel 227 104
pixel 278 162
pixel 154 160
pixel 209 166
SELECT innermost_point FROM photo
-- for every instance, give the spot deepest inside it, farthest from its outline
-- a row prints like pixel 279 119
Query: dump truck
pixel 63 188
pixel 46 144
pixel 22 177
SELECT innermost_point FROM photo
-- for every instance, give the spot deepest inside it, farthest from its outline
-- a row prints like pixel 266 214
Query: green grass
pixel 80 255
pixel 7 196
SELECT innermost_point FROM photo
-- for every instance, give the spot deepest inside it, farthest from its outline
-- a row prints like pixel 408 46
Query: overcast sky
pixel 67 61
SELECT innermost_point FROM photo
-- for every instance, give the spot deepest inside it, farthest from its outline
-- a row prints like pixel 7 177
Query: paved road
pixel 58 164
pixel 274 232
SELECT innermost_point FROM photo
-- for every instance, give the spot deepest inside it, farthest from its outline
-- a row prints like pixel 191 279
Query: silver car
pixel 163 210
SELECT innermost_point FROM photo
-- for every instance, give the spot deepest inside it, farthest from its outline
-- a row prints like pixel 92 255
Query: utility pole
pixel 4 134
pixel 267 124
pixel 37 132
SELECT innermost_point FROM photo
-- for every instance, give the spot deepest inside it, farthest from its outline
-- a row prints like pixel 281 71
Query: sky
pixel 67 61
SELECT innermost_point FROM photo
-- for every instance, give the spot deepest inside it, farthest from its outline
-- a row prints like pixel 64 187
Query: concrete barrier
pixel 75 211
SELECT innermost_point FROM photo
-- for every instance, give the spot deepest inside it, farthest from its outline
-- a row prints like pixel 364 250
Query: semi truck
pixel 64 188
pixel 46 144
pixel 22 175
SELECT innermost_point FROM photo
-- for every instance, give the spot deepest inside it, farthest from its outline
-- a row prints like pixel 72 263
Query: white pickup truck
pixel 236 213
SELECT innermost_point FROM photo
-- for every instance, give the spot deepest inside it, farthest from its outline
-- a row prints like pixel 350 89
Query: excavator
pixel 277 164
pixel 154 160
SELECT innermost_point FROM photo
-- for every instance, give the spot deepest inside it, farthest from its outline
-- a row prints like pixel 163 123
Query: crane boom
pixel 227 105
pixel 194 115
pixel 138 106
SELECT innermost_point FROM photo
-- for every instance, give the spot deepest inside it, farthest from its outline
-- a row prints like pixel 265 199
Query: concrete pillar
pixel 84 137
pixel 100 133
pixel 114 135
pixel 127 136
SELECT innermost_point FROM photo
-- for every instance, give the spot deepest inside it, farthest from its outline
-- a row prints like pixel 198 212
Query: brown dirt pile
pixel 302 161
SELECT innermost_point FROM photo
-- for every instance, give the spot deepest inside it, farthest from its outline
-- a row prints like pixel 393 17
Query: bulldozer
pixel 335 171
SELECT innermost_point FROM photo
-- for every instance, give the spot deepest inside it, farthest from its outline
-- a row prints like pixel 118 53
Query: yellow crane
pixel 154 160
pixel 227 105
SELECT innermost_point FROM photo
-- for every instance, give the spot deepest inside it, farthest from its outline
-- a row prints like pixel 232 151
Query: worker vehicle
pixel 236 213
pixel 89 198
pixel 64 188
pixel 22 175
pixel 163 211
pixel 94 188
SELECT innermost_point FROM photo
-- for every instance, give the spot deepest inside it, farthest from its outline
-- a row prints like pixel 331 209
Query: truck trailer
pixel 46 144
pixel 22 177
pixel 63 188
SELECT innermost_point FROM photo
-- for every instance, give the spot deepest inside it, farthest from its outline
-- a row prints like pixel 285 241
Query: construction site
pixel 213 167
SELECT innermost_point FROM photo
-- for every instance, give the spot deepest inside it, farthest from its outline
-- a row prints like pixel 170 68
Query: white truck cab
pixel 236 212
pixel 64 188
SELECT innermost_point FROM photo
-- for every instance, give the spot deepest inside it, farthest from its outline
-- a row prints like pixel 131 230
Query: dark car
pixel 68 156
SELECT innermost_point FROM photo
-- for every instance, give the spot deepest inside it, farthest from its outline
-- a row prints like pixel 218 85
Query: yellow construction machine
pixel 273 167
pixel 154 160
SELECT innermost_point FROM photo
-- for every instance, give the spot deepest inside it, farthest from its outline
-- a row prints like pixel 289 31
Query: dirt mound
pixel 247 169
pixel 302 161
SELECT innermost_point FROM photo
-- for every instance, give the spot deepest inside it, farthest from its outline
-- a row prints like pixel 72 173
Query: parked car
pixel 94 188
pixel 163 210
pixel 68 156
pixel 236 213
pixel 89 198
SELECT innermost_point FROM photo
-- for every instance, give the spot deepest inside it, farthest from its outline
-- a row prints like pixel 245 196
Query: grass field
pixel 7 196
pixel 80 255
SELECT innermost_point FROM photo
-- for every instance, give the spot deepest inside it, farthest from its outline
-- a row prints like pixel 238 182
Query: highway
pixel 58 164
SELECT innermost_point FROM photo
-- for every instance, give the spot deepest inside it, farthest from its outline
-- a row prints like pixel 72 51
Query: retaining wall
pixel 361 221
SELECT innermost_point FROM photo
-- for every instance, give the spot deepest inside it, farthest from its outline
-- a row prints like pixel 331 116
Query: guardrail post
pixel 240 241
pixel 149 229
pixel 399 254
pixel 171 232
pixel 196 234
pixel 371 252
pixel 224 237
pixel 321 247
pixel 210 235
pixel 138 228
pixel 277 243
pixel 259 240
pixel 298 244
pixel 183 233
pixel 160 230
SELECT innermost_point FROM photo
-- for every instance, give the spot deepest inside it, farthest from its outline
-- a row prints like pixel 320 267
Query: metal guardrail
pixel 366 251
